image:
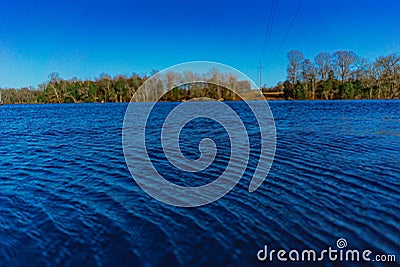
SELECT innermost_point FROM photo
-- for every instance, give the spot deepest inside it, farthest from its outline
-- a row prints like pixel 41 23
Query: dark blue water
pixel 67 197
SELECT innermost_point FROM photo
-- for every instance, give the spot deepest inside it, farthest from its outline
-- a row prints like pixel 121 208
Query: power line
pixel 272 23
pixel 289 28
pixel 268 28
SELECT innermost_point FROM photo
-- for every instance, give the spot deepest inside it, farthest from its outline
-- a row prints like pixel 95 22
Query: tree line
pixel 57 90
pixel 337 75
pixel 341 75
pixel 121 88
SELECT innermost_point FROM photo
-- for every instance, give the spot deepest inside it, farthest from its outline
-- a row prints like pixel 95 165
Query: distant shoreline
pixel 272 100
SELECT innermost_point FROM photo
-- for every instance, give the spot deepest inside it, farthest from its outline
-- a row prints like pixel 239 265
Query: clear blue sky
pixel 85 38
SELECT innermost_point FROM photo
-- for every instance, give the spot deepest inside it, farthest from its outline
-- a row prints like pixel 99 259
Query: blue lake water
pixel 67 197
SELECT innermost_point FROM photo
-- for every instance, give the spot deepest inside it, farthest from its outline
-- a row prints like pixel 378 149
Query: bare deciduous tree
pixel 389 70
pixel 322 61
pixel 343 63
pixel 309 73
pixel 295 58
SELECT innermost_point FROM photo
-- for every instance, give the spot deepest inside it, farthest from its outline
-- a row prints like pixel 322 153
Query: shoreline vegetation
pixel 329 76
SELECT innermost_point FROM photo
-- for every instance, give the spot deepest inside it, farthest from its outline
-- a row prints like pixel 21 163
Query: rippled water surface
pixel 67 197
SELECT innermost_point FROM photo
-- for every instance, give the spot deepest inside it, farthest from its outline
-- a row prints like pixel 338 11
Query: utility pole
pixel 260 65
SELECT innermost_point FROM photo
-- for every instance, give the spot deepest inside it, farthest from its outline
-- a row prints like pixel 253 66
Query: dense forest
pixel 57 90
pixel 338 75
pixel 121 89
